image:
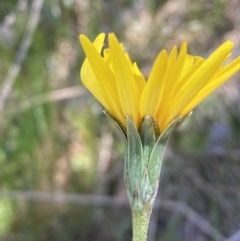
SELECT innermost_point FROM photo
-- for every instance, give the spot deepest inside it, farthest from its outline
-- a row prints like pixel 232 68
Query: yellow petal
pixel 139 78
pixel 221 76
pixel 191 64
pixel 103 85
pixel 98 44
pixel 126 85
pixel 175 69
pixel 175 86
pixel 198 79
pixel 152 93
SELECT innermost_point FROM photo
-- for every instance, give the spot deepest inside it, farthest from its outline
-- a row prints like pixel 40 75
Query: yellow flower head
pixel 176 84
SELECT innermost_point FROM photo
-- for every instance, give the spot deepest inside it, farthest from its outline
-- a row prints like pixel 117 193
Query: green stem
pixel 140 220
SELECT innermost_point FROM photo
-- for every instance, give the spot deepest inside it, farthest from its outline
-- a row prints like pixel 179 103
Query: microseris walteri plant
pixel 148 110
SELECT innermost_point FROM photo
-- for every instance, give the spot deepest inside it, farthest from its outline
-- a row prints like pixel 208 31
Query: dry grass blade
pixel 22 51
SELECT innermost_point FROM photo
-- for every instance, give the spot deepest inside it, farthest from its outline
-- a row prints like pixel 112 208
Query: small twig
pixel 56 95
pixel 208 189
pixel 234 237
pixel 194 217
pixel 169 205
pixel 22 51
pixel 95 200
pixel 211 191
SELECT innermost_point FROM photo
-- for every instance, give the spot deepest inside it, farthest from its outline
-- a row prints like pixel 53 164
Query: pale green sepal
pixel 148 137
pixel 184 118
pixel 156 157
pixel 143 160
pixel 148 134
pixel 117 123
pixel 133 167
pixel 146 190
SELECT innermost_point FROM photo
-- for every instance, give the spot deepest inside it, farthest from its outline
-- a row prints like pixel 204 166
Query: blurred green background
pixel 61 159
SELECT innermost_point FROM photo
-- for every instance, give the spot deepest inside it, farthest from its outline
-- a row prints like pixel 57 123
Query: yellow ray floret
pixel 177 83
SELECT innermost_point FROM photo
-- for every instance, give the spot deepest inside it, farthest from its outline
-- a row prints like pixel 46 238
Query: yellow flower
pixel 177 83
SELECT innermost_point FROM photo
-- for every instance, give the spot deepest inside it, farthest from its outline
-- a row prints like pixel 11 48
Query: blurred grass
pixel 69 146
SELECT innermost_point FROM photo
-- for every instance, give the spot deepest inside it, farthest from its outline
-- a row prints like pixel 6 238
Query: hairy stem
pixel 140 220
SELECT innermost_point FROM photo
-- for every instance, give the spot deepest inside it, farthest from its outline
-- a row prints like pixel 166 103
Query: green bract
pixel 143 160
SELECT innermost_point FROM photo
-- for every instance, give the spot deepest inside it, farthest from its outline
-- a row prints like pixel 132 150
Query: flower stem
pixel 140 220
